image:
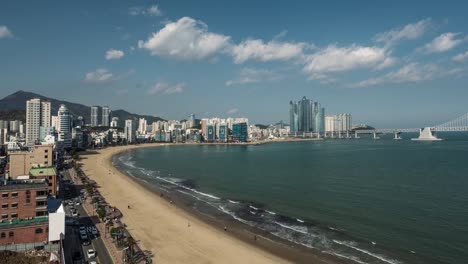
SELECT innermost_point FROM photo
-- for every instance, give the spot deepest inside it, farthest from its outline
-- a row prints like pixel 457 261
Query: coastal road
pixel 102 255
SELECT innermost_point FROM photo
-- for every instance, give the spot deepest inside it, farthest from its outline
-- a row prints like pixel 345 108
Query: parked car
pixel 86 242
pixel 75 214
pixel 82 230
pixel 91 253
pixel 77 203
pixel 94 231
pixel 84 236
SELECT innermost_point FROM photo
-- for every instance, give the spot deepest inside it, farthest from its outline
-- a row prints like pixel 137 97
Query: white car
pixel 77 203
pixel 91 253
pixel 93 262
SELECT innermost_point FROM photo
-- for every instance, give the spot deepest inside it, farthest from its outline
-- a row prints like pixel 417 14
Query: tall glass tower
pixel 306 116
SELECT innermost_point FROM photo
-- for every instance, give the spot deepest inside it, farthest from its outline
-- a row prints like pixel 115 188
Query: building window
pixel 28 197
pixel 4 195
pixel 2 235
pixel 46 150
pixel 4 206
pixel 40 213
pixel 46 162
pixel 14 195
pixel 11 234
pixel 4 216
pixel 14 205
pixel 45 157
pixel 50 177
pixel 38 230
pixel 15 215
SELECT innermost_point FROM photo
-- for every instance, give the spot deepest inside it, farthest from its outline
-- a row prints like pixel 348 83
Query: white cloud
pixel 442 43
pixel 114 54
pixel 250 75
pixel 5 32
pixel 99 76
pixel 165 88
pixel 145 11
pixel 461 57
pixel 185 39
pixel 233 111
pixel 336 59
pixel 408 32
pixel 413 72
pixel 256 49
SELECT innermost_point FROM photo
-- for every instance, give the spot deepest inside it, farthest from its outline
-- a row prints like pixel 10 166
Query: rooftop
pixel 24 184
pixel 42 171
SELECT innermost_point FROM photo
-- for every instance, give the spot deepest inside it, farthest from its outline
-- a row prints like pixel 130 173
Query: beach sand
pixel 174 235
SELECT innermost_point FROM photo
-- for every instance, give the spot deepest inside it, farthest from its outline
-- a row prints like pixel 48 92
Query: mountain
pixel 13 107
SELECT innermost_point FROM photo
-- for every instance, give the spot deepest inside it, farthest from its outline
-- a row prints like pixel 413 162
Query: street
pixel 75 251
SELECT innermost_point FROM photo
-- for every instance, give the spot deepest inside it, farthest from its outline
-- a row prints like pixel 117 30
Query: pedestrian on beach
pixel 225 228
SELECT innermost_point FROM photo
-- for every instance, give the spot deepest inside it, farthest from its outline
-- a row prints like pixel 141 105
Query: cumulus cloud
pixel 186 39
pixel 413 72
pixel 145 11
pixel 408 32
pixel 256 49
pixel 165 88
pixel 114 54
pixel 251 75
pixel 336 59
pixel 99 76
pixel 461 57
pixel 5 32
pixel 233 111
pixel 442 43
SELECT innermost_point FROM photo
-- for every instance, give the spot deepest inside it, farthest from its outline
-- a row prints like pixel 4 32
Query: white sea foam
pixel 224 210
pixel 270 212
pixel 190 189
pixel 299 229
pixel 255 208
pixel 233 202
pixel 300 221
pixel 353 258
pixel 252 212
pixel 377 256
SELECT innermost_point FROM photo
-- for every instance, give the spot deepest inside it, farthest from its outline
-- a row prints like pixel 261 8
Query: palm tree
pixel 130 243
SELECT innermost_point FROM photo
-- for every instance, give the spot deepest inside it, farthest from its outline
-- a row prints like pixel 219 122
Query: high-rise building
pixel 306 116
pixel 37 115
pixel 45 114
pixel 338 123
pixel 105 116
pixel 129 131
pixel 65 126
pixel 192 120
pixel 94 116
pixel 55 123
pixel 142 126
pixel 239 132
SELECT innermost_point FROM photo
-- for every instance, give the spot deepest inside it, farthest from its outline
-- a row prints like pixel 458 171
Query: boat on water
pixel 426 134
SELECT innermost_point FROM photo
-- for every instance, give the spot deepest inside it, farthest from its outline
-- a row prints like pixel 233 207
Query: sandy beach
pixel 174 235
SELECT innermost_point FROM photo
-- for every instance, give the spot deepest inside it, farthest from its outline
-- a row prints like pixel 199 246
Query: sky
pixel 391 64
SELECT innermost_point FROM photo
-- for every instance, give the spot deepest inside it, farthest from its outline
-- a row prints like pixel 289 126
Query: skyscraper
pixel 45 114
pixel 37 115
pixel 142 126
pixel 306 116
pixel 129 131
pixel 94 116
pixel 65 126
pixel 105 116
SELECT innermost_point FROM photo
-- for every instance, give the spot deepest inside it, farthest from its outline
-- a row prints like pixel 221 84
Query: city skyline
pixel 404 68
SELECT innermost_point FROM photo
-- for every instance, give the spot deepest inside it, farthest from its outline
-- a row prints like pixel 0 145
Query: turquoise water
pixel 370 201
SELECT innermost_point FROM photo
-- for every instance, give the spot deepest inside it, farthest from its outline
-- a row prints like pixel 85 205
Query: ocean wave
pixel 233 202
pixel 224 210
pixel 270 212
pixel 255 208
pixel 190 189
pixel 294 228
pixel 300 221
pixel 353 258
pixel 377 256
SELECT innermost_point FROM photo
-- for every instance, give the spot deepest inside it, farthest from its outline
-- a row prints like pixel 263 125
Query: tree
pixel 130 243
pixel 101 213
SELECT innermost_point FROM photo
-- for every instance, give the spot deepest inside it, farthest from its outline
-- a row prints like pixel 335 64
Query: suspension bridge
pixel 459 124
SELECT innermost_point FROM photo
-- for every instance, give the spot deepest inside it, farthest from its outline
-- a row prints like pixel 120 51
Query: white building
pixel 142 126
pixel 338 123
pixel 94 116
pixel 37 115
pixel 55 123
pixel 129 131
pixel 105 116
pixel 65 127
pixel 114 122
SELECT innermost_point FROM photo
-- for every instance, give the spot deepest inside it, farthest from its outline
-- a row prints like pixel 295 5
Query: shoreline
pixel 237 244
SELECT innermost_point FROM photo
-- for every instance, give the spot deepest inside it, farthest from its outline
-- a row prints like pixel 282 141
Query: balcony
pixel 41 198
pixel 41 207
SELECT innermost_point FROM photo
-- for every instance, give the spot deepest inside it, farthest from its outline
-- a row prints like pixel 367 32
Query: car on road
pixel 77 203
pixel 84 236
pixel 91 253
pixel 82 230
pixel 94 231
pixel 86 242
pixel 70 203
pixel 75 214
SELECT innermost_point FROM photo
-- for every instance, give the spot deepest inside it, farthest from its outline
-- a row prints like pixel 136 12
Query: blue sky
pixel 389 64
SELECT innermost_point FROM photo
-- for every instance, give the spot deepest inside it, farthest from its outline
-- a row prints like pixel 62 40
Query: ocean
pixel 363 200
